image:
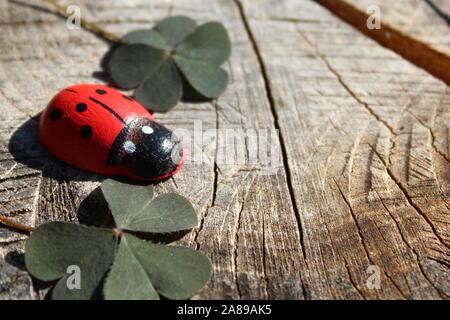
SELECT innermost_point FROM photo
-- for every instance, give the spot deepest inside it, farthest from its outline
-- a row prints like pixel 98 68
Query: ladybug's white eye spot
pixel 167 144
pixel 147 130
pixel 129 147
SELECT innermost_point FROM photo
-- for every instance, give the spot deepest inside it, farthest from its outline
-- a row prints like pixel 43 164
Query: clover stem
pixel 88 25
pixel 168 53
pixel 15 225
pixel 118 233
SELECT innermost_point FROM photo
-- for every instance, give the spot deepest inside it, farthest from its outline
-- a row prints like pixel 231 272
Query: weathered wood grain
pixel 416 29
pixel 416 18
pixel 370 181
pixel 363 177
pixel 219 192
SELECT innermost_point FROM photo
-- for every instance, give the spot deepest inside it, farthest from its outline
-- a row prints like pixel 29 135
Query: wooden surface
pixel 418 30
pixel 417 18
pixel 363 179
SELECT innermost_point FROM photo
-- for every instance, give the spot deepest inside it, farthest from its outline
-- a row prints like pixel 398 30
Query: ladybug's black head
pixel 147 149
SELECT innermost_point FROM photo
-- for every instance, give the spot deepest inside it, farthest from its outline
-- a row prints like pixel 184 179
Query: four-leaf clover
pixel 175 55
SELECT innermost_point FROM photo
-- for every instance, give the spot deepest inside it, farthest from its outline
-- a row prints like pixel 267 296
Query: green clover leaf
pixel 55 246
pixel 134 209
pixel 142 269
pixel 133 268
pixel 155 61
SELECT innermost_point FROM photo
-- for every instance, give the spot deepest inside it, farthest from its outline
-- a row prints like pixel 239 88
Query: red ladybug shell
pixel 99 129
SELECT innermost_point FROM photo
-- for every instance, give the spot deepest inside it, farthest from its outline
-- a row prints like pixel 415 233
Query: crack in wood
pixel 408 197
pixel 432 136
pixel 438 11
pixel 22 176
pixel 3 176
pixel 419 53
pixel 215 179
pixel 442 262
pixel 277 126
pixel 352 214
pixel 266 282
pixel 412 249
pixel 353 282
pixel 343 260
pixel 235 249
pixel 345 86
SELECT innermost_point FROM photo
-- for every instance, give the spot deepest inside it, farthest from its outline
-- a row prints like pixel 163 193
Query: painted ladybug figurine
pixel 98 129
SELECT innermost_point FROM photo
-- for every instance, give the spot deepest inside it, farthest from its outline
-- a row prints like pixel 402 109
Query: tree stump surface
pixel 363 180
pixel 416 29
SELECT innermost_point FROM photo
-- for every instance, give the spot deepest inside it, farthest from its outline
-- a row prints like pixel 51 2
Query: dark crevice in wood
pixel 14 189
pixel 21 176
pixel 413 250
pixel 408 197
pixel 104 21
pixel 5 243
pixel 437 250
pixel 396 224
pixel 441 262
pixel 353 282
pixel 216 150
pixel 408 157
pixel 404 275
pixel 286 19
pixel 268 297
pixel 204 213
pixel 346 87
pixel 433 138
pixel 235 249
pixel 438 11
pixel 442 294
pixel 20 211
pixel 215 180
pixel 345 262
pixel 352 214
pixel 174 182
pixel 271 101
pixel 413 50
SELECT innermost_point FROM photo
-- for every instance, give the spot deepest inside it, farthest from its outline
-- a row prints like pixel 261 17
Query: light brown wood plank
pixel 366 135
pixel 363 177
pixel 254 247
pixel 415 18
pixel 416 29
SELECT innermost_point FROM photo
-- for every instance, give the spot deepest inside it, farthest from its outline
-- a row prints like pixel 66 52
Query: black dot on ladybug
pixel 129 147
pixel 56 114
pixel 86 132
pixel 127 97
pixel 100 91
pixel 81 107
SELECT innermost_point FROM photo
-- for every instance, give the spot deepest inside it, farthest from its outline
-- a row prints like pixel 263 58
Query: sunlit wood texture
pixel 416 29
pixel 364 172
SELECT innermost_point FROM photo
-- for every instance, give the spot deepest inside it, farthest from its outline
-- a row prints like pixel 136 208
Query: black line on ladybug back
pixel 70 90
pixel 108 108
